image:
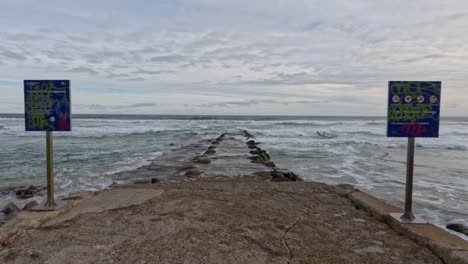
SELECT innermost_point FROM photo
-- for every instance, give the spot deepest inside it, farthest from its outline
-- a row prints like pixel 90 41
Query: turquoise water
pixel 328 149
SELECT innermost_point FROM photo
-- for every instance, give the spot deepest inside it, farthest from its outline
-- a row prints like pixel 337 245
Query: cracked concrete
pixel 236 217
pixel 285 239
pixel 242 220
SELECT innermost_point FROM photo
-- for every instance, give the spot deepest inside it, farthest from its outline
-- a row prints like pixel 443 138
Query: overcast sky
pixel 263 57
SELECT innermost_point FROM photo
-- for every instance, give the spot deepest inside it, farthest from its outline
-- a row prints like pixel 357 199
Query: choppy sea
pixel 333 150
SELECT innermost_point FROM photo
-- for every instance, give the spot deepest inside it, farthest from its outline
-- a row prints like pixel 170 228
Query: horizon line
pixel 108 114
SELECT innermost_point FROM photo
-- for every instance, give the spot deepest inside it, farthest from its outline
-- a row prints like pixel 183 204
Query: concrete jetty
pixel 223 201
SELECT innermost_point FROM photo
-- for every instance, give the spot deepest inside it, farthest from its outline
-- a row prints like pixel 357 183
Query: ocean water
pixel 333 150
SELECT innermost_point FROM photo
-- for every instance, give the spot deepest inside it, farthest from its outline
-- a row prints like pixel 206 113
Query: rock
pixel 33 188
pixel 154 180
pixel 270 164
pixel 251 143
pixel 189 167
pixel 193 173
pixel 460 228
pixel 264 156
pixel 262 173
pixel 247 134
pixel 141 182
pixel 10 208
pixel 257 159
pixel 288 174
pixel 24 193
pixel 262 153
pixel 29 205
pixel 215 142
pixel 203 160
pixel 210 151
pixel 278 177
pixel 211 147
pixel 171 144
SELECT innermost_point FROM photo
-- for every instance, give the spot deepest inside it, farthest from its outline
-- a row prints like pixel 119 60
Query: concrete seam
pixel 285 240
pixel 400 229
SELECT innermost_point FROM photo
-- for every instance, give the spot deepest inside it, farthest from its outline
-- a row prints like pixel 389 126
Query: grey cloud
pixel 257 102
pixel 103 55
pixel 83 69
pixel 237 103
pixel 280 78
pixel 12 55
pixel 457 16
pixel 48 30
pixel 79 38
pixel 272 47
pixel 148 50
pixel 206 41
pixel 264 67
pixel 234 52
pixel 309 102
pixel 45 30
pixel 169 58
pixel 134 79
pixel 257 68
pixel 25 37
pixel 119 66
pixel 148 72
pixel 131 106
pixel 118 75
pixel 425 57
pixel 313 25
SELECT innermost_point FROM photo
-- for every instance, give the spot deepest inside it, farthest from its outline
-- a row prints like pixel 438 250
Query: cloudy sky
pixel 264 57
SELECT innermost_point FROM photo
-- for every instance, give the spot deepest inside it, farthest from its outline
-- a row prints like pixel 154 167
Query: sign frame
pixel 47 105
pixel 413 108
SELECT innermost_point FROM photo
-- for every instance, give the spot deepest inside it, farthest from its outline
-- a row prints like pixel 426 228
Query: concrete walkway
pixel 229 212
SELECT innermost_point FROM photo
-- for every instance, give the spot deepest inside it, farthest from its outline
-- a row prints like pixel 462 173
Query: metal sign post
pixel 47 108
pixel 408 215
pixel 50 171
pixel 413 111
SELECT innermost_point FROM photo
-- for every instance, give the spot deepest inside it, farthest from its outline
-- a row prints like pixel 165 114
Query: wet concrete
pixel 231 159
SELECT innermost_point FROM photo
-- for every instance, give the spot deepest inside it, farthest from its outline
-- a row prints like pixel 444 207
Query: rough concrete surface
pixel 106 200
pixel 223 221
pixel 231 213
pixel 450 248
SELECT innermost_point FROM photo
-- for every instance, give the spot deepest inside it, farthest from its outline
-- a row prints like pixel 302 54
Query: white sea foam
pixel 354 150
pixel 132 163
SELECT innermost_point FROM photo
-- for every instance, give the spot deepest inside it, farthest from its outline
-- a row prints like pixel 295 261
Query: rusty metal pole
pixel 408 215
pixel 50 171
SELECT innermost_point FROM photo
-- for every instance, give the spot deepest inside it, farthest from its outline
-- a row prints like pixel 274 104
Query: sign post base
pixel 45 207
pixel 403 220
